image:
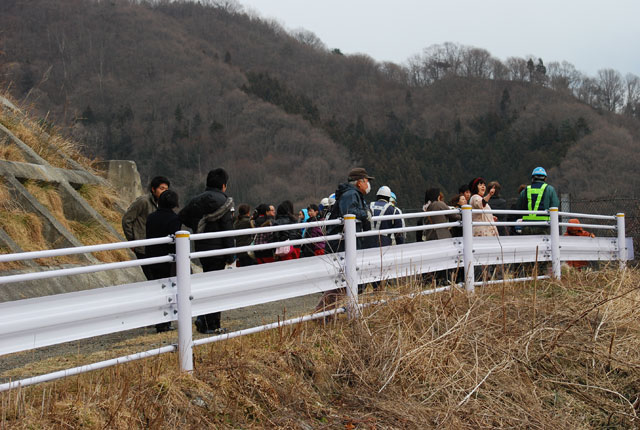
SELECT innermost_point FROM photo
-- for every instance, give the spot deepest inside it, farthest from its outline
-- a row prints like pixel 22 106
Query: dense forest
pixel 182 87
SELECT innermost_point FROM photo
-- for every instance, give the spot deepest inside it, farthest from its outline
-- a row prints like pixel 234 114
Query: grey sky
pixel 590 34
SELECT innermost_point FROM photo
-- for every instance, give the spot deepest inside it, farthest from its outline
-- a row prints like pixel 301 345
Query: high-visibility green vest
pixel 537 192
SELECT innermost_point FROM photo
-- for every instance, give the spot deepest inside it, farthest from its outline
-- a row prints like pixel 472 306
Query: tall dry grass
pixel 44 138
pixel 541 356
pixel 88 233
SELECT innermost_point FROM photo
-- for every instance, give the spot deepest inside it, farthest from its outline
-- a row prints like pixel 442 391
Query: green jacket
pixel 549 198
pixel 134 220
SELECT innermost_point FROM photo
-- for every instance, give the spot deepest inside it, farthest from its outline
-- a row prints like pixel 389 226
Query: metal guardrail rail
pixel 50 320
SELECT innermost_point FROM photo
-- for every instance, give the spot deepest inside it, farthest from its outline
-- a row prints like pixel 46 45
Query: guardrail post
pixel 183 277
pixel 467 248
pixel 622 241
pixel 554 231
pixel 350 268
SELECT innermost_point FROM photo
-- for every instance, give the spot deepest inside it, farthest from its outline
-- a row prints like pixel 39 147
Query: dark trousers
pixel 160 271
pixel 145 269
pixel 210 321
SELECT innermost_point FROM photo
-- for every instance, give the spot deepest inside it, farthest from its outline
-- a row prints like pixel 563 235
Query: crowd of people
pixel 154 215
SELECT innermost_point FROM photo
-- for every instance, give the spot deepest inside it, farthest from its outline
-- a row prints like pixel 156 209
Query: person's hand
pixel 495 218
pixel 492 191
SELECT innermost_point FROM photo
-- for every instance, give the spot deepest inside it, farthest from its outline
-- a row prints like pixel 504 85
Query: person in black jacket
pixel 209 212
pixel 163 222
pixel 350 200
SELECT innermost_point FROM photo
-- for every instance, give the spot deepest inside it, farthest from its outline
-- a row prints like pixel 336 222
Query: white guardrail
pixel 50 320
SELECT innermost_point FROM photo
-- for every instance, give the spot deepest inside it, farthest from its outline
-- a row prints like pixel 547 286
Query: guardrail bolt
pixel 190 297
pixel 169 299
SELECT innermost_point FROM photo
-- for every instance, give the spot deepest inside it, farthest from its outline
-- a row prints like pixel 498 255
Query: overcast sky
pixel 590 34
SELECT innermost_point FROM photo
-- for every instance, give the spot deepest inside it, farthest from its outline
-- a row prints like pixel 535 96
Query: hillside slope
pixel 183 87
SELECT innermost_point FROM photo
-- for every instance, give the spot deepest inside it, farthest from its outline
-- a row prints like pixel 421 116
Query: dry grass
pixel 45 139
pixel 106 202
pixel 88 233
pixel 11 152
pixel 446 360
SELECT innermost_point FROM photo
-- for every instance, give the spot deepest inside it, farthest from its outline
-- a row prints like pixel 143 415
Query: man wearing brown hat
pixel 350 200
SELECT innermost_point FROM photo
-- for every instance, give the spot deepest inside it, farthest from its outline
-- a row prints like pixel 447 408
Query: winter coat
pixel 161 223
pixel 206 204
pixel 377 208
pixel 438 233
pixel 134 219
pixel 280 236
pixel 477 202
pixel 311 249
pixel 262 238
pixel 549 198
pixel 349 201
pixel 242 223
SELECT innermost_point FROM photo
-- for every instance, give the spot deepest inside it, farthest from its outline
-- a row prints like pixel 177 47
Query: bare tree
pixel 562 76
pixel 309 38
pixel 610 90
pixel 632 105
pixel 476 63
pixel 517 68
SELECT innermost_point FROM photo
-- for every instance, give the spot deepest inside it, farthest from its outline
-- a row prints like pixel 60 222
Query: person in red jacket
pixel 577 231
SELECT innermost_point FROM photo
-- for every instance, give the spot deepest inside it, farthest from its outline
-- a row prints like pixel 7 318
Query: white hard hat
pixel 332 199
pixel 324 202
pixel 384 191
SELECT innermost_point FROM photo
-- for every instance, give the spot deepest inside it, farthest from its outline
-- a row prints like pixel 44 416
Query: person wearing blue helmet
pixel 538 196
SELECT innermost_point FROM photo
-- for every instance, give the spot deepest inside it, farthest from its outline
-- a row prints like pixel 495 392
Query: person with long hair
pixel 480 200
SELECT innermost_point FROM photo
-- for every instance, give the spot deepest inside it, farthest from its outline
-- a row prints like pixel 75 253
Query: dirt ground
pixel 44 360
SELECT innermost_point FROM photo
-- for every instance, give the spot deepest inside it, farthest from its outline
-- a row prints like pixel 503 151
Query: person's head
pixel 285 209
pixel 393 199
pixel 383 193
pixel 218 178
pixel 303 214
pixel 244 210
pixel 432 195
pixel 458 200
pixel 465 191
pixel 496 185
pixel 168 200
pixel 313 210
pixel 521 188
pixel 538 175
pixel 324 203
pixel 359 178
pixel 478 186
pixel 574 231
pixel 271 211
pixel 159 185
pixel 262 209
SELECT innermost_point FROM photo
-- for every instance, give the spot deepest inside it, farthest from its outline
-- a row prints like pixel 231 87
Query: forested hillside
pixel 183 87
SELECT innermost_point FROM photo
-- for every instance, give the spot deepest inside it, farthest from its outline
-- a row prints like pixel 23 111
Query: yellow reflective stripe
pixel 182 235
pixel 538 192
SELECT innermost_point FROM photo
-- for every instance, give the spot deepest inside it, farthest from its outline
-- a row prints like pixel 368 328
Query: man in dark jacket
pixel 135 218
pixel 209 212
pixel 350 200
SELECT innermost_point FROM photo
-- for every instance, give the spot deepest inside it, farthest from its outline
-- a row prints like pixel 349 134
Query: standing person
pixel 383 206
pixel 163 222
pixel 538 196
pixel 134 219
pixel 457 201
pixel 266 215
pixel 207 212
pixel 284 215
pixel 316 248
pixel 498 202
pixel 349 199
pixel 433 202
pixel 243 221
pixel 480 200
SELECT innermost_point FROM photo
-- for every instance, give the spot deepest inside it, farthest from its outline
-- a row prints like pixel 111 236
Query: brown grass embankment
pixel 548 355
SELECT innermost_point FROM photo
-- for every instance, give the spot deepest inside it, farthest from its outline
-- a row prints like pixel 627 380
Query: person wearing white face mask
pixel 350 200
